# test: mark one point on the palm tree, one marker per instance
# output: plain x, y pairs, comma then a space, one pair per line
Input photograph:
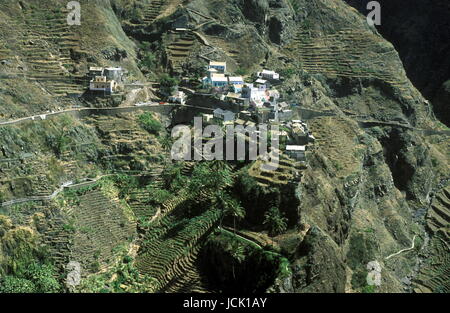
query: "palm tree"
229, 207
166, 142
275, 221
237, 253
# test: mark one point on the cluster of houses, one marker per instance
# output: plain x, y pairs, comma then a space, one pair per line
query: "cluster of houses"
235, 89
260, 103
105, 80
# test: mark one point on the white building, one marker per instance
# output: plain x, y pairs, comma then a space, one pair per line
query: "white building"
224, 115
221, 67
266, 74
95, 71
296, 152
257, 95
101, 83
178, 97
235, 80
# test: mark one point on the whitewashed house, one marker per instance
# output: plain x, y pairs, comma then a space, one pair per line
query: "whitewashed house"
221, 67
215, 81
296, 152
257, 95
95, 71
114, 73
235, 80
102, 84
178, 97
266, 74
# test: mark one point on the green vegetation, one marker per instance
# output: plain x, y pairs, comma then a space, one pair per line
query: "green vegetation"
275, 221
147, 62
168, 84
369, 289
36, 277
362, 250
287, 72
149, 123
241, 71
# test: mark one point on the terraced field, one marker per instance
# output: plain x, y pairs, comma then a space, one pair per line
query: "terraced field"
46, 47
153, 10
287, 171
434, 275
439, 215
101, 227
169, 252
180, 49
335, 138
130, 148
58, 239
347, 53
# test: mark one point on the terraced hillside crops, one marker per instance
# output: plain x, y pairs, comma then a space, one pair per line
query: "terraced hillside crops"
334, 137
130, 148
439, 215
153, 10
170, 249
47, 45
101, 227
434, 275
287, 171
347, 53
180, 49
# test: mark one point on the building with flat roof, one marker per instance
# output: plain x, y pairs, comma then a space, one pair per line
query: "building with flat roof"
224, 115
266, 74
296, 152
221, 67
235, 80
102, 84
114, 73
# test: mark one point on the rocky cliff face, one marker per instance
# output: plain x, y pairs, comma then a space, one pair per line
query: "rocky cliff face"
373, 170
420, 32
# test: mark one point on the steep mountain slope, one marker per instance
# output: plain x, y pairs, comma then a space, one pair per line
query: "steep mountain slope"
374, 184
420, 32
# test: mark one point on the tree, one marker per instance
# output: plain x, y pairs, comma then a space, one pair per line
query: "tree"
237, 253
166, 142
229, 206
275, 221
43, 276
11, 284
167, 84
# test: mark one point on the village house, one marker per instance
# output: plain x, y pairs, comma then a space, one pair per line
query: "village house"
114, 73
271, 75
207, 117
235, 80
101, 83
220, 67
95, 71
257, 95
224, 115
214, 80
178, 97
296, 152
237, 88
262, 82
